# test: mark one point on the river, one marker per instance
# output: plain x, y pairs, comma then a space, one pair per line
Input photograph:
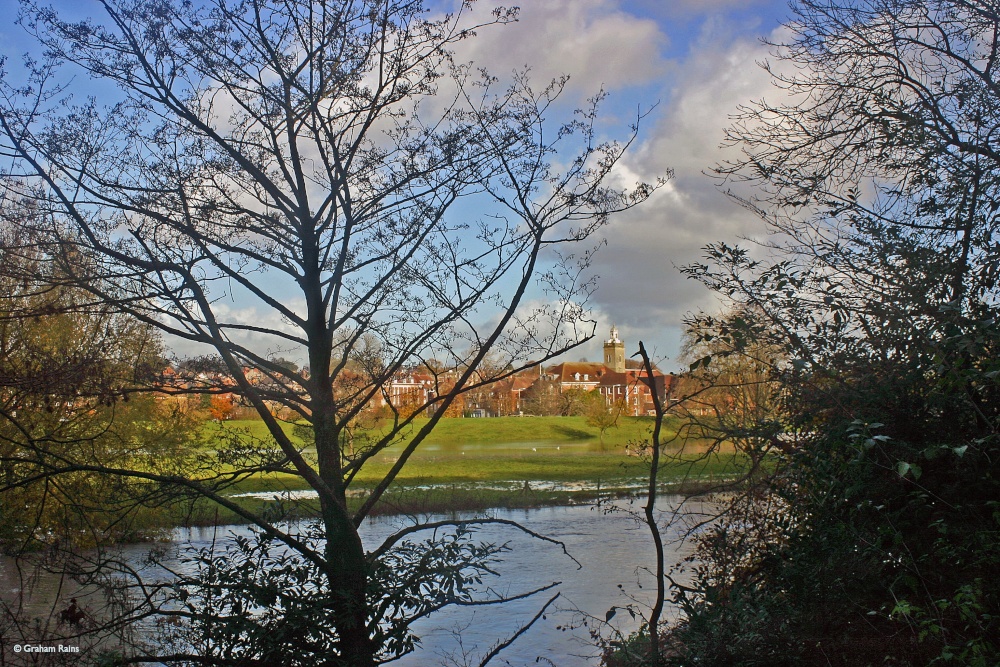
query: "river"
612, 549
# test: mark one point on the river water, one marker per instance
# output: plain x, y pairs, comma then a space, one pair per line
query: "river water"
611, 546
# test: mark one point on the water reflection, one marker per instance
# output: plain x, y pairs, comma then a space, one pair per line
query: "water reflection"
612, 549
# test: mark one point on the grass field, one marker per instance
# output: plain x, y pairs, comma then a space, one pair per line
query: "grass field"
455, 433
475, 464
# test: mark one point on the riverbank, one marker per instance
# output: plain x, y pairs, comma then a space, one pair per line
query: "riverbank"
403, 499
466, 465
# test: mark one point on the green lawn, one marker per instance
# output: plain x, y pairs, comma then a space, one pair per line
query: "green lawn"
460, 464
526, 430
561, 449
511, 431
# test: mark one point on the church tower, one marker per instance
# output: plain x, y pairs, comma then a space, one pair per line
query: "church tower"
614, 352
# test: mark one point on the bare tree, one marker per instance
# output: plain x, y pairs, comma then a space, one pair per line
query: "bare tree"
649, 511
855, 171
333, 168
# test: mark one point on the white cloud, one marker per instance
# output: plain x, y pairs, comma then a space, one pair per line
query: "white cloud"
245, 311
599, 44
593, 41
640, 285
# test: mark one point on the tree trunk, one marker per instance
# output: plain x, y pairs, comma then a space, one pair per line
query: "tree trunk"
348, 575
347, 569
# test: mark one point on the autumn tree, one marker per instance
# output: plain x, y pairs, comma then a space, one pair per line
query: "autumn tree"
221, 407
601, 414
71, 375
339, 172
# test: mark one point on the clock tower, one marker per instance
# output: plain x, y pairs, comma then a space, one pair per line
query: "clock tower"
614, 352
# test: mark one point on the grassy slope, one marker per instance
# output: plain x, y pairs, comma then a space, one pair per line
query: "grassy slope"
514, 449
505, 430
534, 429
462, 454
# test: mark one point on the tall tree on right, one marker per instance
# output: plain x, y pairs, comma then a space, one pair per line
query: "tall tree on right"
879, 177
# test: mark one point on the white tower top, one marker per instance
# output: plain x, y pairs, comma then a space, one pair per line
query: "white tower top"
614, 352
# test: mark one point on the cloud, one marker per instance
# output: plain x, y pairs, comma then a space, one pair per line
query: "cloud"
598, 43
640, 286
709, 73
245, 311
593, 41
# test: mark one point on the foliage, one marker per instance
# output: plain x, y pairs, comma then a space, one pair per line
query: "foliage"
870, 540
72, 382
75, 402
599, 414
256, 602
221, 407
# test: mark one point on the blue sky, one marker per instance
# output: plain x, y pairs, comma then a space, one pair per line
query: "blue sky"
694, 59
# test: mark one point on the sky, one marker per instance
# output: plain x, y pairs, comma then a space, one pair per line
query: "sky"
693, 62
696, 61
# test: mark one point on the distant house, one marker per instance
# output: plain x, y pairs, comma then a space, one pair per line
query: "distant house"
520, 383
585, 375
632, 389
536, 389
618, 380
411, 388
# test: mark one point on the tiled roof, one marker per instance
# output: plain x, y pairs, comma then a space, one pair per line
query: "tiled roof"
522, 382
566, 371
629, 375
